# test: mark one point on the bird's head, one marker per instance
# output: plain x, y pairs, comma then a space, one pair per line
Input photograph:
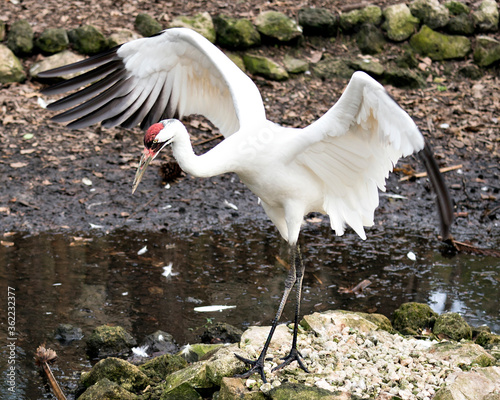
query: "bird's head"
157, 137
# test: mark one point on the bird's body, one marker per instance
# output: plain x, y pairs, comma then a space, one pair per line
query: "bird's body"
335, 166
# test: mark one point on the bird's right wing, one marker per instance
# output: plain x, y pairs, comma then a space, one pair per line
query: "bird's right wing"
353, 147
173, 74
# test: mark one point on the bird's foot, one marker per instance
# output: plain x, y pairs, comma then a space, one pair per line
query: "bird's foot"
294, 355
257, 366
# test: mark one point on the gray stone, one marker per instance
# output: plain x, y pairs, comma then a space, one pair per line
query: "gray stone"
370, 39
11, 69
52, 40
352, 20
452, 326
233, 388
486, 17
201, 23
371, 67
88, 40
159, 367
57, 60
265, 67
430, 12
462, 24
330, 68
326, 323
295, 65
195, 352
108, 340
478, 384
160, 342
411, 318
67, 333
122, 36
2, 31
236, 33
146, 25
107, 390
457, 7
487, 51
466, 355
300, 391
404, 78
20, 38
399, 23
277, 26
318, 22
438, 46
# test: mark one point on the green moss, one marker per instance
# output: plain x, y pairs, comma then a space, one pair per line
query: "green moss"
453, 326
438, 46
412, 318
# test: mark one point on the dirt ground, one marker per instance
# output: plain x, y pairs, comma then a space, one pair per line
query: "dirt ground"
54, 179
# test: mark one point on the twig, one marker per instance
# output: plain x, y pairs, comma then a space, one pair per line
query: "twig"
42, 357
208, 140
424, 174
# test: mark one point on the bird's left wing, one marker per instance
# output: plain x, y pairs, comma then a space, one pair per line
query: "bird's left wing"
353, 147
173, 74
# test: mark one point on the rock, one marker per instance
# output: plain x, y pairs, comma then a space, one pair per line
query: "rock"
53, 40
399, 23
11, 69
438, 46
221, 333
407, 60
411, 318
2, 31
20, 38
67, 333
107, 390
462, 24
237, 59
195, 352
160, 367
352, 20
487, 51
87, 40
254, 338
146, 25
223, 363
181, 392
193, 376
201, 23
452, 326
295, 65
108, 340
236, 33
370, 39
457, 7
378, 319
277, 26
465, 355
265, 67
127, 375
404, 78
327, 323
160, 342
57, 60
318, 22
122, 36
471, 71
485, 339
478, 384
430, 12
233, 388
288, 391
330, 68
371, 67
486, 17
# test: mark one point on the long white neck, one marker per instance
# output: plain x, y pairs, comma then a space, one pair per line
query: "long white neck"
202, 166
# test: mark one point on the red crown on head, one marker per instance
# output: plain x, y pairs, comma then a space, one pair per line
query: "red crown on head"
151, 133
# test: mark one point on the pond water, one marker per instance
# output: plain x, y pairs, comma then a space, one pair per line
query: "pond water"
92, 279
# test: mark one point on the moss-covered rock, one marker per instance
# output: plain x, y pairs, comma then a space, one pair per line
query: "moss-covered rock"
485, 339
457, 7
52, 40
412, 318
195, 352
2, 31
122, 36
438, 46
452, 326
486, 16
11, 69
181, 392
370, 39
318, 22
487, 51
294, 65
146, 25
288, 391
403, 78
88, 40
464, 355
352, 20
265, 67
277, 26
378, 319
201, 23
399, 23
108, 340
462, 24
20, 38
160, 367
236, 33
107, 390
430, 12
330, 68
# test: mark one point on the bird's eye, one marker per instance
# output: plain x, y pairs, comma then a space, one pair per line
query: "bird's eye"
155, 141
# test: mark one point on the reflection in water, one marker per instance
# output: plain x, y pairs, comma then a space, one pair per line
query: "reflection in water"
90, 280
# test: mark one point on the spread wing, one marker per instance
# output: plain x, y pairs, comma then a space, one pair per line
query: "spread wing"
173, 74
354, 146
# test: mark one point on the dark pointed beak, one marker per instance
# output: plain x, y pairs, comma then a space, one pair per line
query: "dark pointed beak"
146, 158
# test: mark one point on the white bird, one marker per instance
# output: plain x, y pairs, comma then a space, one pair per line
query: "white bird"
335, 166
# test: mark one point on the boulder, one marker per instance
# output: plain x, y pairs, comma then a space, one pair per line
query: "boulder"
236, 33
294, 65
411, 318
233, 388
146, 25
277, 26
430, 12
452, 326
87, 40
399, 23
108, 340
486, 16
289, 390
438, 46
352, 20
329, 322
52, 40
330, 68
318, 22
375, 69
237, 59
265, 67
11, 69
478, 384
54, 61
487, 51
370, 39
122, 36
20, 38
67, 333
195, 352
160, 342
107, 390
159, 367
466, 355
404, 78
462, 24
201, 23
2, 31
457, 7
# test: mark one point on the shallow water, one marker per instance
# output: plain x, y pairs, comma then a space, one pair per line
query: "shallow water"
89, 280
